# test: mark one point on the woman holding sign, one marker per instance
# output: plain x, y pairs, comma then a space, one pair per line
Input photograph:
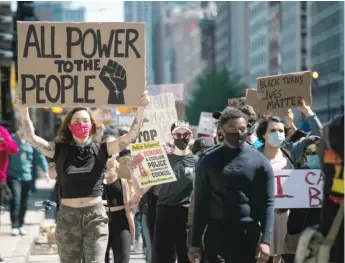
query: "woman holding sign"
82, 222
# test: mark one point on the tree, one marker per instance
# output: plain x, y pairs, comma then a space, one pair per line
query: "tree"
212, 93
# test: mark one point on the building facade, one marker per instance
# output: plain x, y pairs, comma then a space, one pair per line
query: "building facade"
326, 56
258, 41
232, 37
58, 11
143, 12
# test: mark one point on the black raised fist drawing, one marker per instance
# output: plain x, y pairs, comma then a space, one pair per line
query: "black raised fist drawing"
114, 78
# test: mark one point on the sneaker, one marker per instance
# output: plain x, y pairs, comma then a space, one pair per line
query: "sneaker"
15, 232
22, 231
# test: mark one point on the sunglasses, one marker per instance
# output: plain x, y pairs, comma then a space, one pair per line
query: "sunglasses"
181, 135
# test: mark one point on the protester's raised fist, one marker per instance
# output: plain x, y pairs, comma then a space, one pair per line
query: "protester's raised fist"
114, 78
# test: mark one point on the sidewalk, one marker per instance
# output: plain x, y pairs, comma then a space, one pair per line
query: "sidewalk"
17, 249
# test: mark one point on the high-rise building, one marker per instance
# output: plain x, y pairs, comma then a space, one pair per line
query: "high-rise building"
143, 12
294, 36
59, 11
326, 56
6, 56
231, 37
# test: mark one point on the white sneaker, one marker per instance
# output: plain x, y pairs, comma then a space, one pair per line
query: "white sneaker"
22, 231
15, 232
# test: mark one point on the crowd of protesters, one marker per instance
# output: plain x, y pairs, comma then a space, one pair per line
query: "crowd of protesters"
220, 208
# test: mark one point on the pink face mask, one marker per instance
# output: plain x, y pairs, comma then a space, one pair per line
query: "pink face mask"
80, 130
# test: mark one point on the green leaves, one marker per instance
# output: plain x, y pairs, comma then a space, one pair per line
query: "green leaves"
212, 93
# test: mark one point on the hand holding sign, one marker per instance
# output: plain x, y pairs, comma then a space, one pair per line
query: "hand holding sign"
114, 78
305, 108
145, 99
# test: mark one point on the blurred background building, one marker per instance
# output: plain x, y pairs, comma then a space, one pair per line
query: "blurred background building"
58, 11
325, 21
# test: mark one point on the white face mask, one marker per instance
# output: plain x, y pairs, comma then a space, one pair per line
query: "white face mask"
276, 138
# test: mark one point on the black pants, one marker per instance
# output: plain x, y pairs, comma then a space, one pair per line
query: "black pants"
151, 213
119, 238
19, 203
170, 235
231, 244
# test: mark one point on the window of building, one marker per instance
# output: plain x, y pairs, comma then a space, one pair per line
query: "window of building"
326, 24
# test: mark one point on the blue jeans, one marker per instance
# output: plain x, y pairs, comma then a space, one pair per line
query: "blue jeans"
137, 223
146, 234
19, 203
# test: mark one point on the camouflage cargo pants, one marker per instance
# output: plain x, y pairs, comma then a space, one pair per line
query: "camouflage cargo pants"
82, 233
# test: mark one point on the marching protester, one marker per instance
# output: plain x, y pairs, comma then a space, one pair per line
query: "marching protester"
301, 218
332, 164
252, 120
271, 131
122, 193
170, 229
7, 147
234, 197
282, 155
20, 171
82, 222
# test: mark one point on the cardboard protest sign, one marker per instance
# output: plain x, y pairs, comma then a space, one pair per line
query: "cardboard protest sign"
252, 100
148, 133
236, 102
298, 188
207, 124
161, 114
152, 166
277, 94
74, 64
123, 120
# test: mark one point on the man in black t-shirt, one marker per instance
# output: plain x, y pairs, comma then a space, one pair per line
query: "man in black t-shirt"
170, 232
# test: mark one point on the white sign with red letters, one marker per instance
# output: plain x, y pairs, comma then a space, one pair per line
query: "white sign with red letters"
298, 188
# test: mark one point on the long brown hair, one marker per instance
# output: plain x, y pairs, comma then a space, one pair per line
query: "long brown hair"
65, 133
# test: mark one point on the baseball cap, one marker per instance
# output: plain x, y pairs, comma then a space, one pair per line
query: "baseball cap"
202, 143
216, 115
180, 125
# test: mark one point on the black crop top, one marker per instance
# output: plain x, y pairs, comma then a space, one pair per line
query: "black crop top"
114, 193
80, 168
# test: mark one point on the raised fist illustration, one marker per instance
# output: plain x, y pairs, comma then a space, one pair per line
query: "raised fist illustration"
114, 78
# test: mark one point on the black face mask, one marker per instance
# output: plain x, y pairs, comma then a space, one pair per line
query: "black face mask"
181, 143
236, 140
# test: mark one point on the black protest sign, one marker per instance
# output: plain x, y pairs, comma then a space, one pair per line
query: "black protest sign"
89, 64
277, 94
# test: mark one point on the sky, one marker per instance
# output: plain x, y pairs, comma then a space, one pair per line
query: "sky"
98, 11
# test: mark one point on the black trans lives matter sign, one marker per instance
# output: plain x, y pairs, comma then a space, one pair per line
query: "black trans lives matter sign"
90, 64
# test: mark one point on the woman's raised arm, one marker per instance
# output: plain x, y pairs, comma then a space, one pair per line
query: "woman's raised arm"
47, 148
122, 142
